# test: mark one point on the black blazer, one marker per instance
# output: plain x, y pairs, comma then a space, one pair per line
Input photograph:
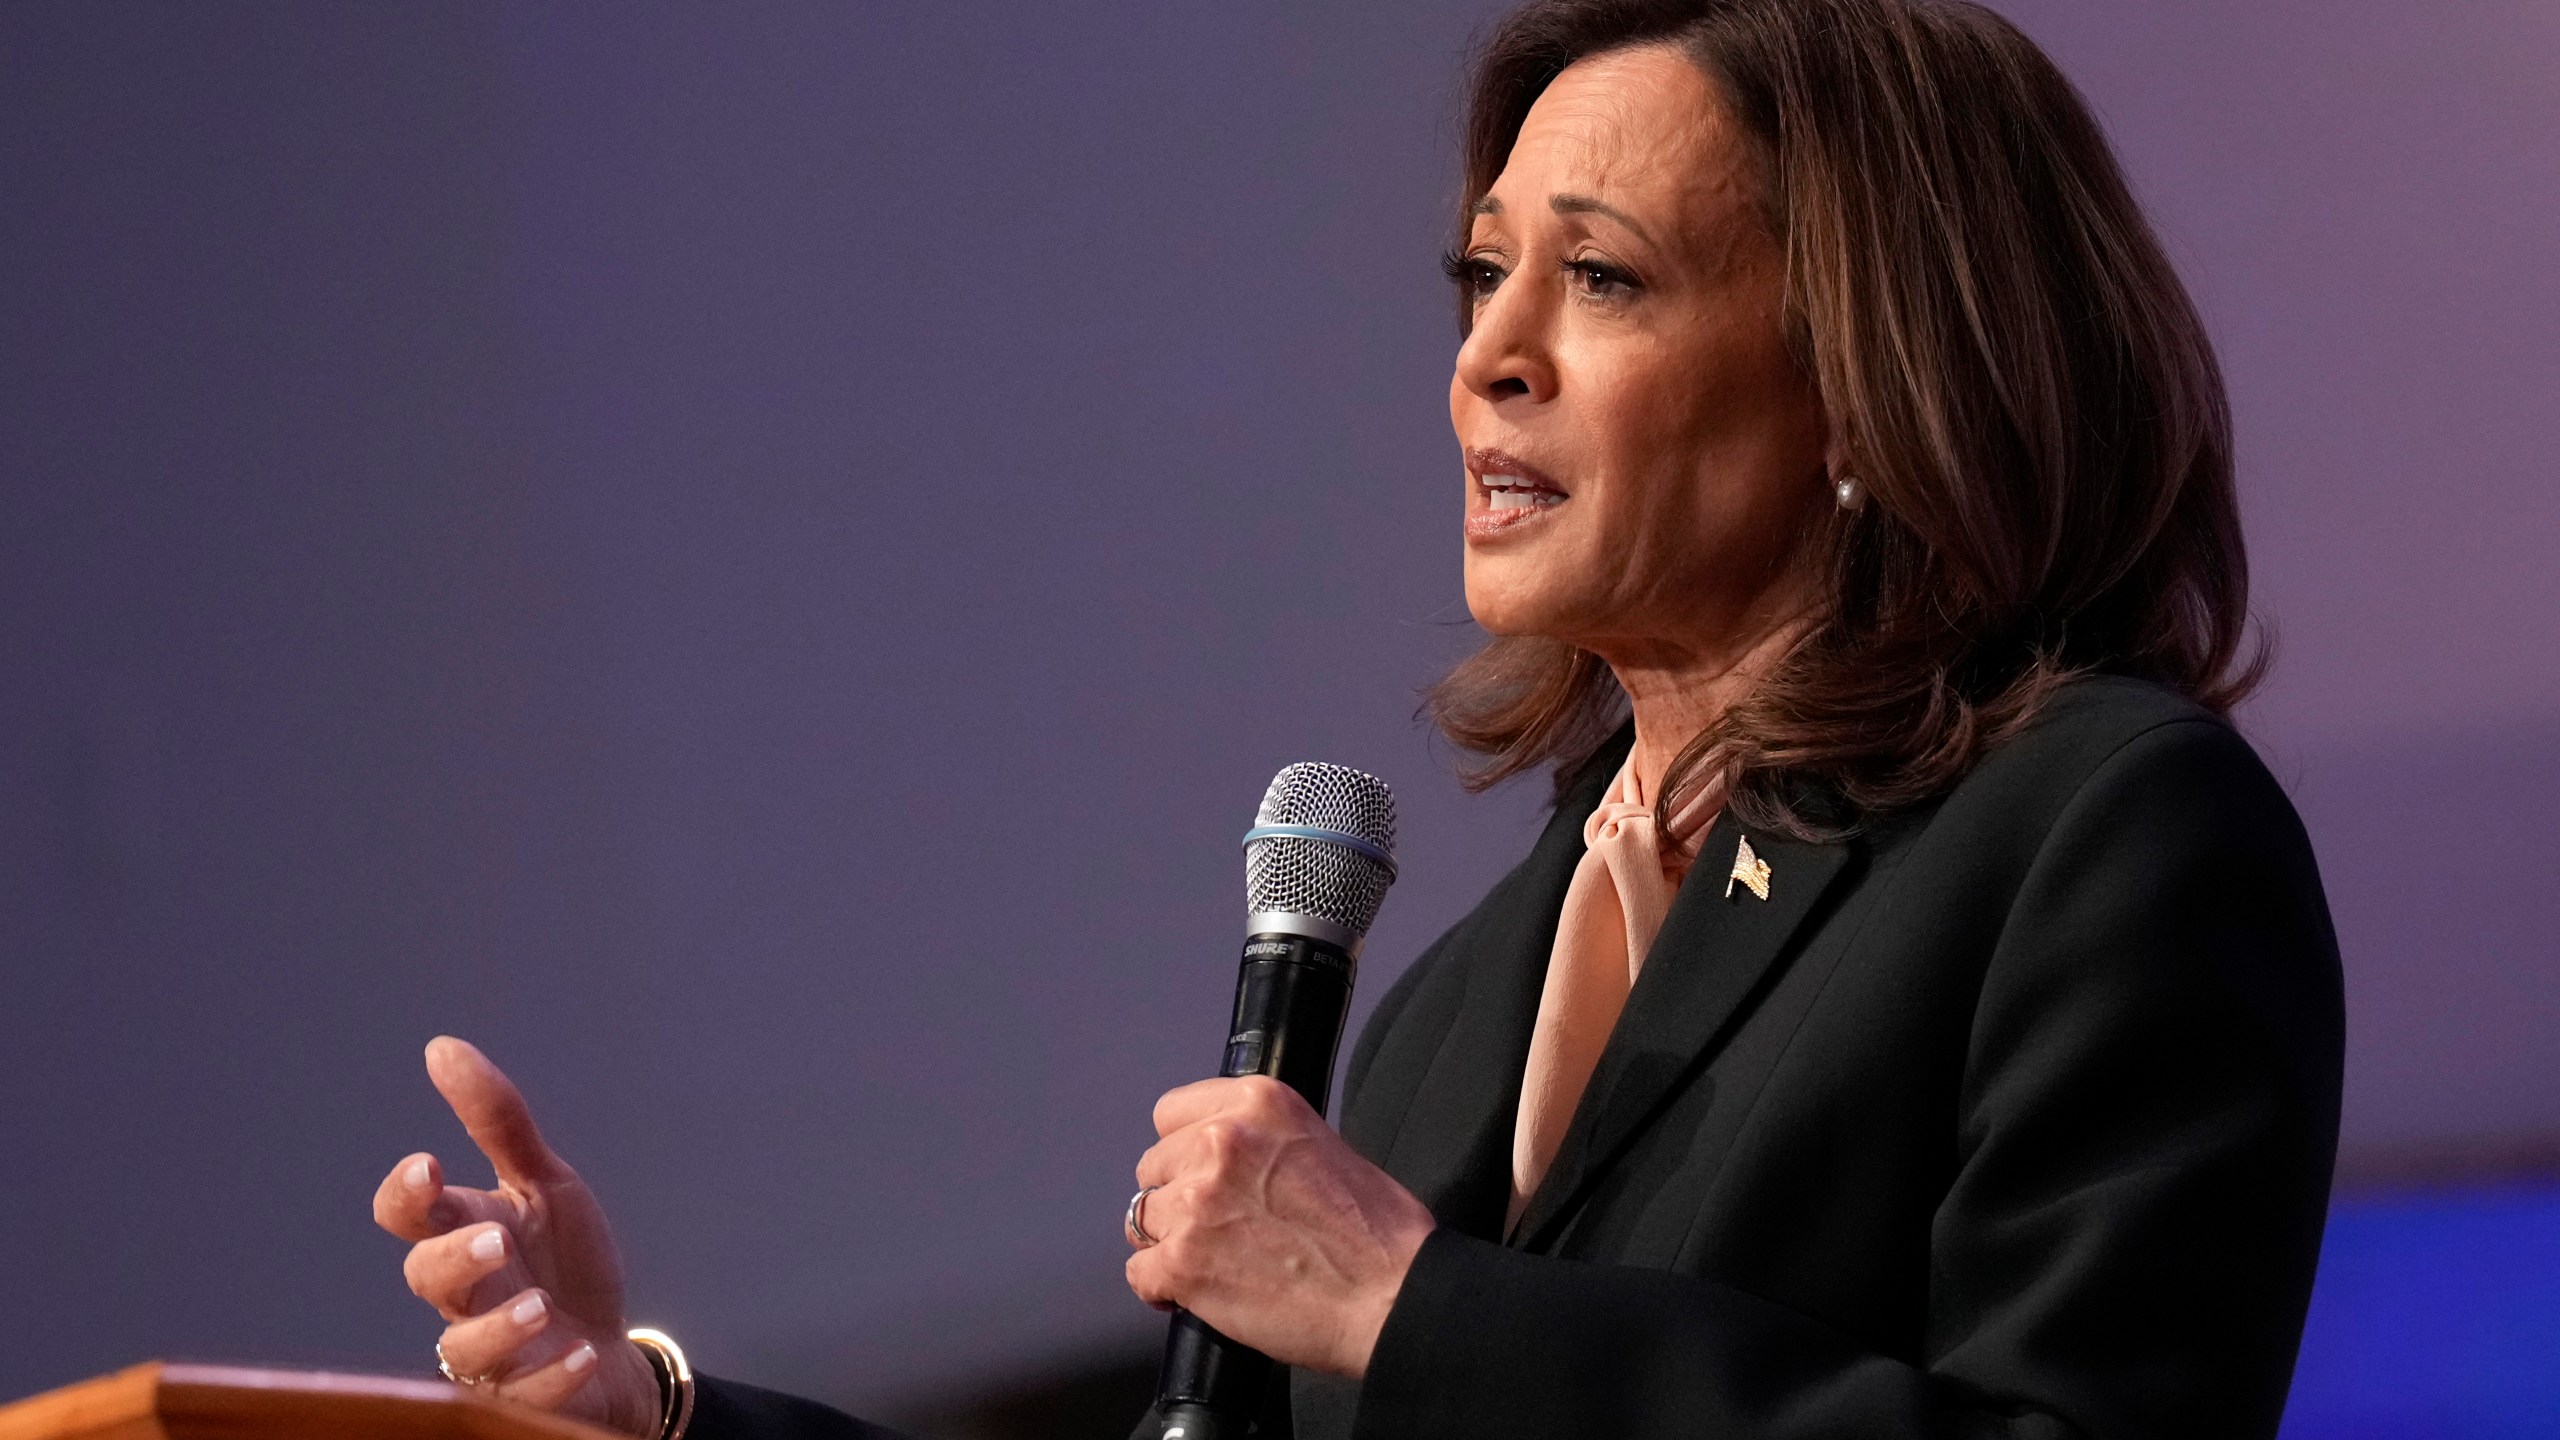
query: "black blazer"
2011, 1116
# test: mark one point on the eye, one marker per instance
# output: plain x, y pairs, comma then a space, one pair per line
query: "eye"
1600, 279
1475, 275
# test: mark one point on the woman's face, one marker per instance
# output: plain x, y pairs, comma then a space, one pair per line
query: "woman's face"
1643, 456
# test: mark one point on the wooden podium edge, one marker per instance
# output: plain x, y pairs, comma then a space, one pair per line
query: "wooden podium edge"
161, 1400
109, 1405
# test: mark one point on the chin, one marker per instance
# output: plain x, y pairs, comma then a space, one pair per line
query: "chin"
1506, 610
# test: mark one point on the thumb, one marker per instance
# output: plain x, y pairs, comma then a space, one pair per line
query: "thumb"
493, 1110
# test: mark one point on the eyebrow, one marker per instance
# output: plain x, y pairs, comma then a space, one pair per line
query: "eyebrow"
1570, 205
1585, 205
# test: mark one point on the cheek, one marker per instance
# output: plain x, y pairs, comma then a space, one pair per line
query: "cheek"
1719, 464
1717, 426
1656, 443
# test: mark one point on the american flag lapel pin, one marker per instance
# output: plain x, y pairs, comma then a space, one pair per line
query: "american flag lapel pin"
1749, 871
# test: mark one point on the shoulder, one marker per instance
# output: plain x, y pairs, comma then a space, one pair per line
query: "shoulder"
2090, 720
2102, 741
2124, 806
2132, 844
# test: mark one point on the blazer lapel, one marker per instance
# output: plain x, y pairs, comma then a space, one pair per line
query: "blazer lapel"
1713, 953
1453, 1146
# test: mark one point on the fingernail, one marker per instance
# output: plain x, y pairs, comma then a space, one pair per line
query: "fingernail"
528, 1310
579, 1359
489, 1244
415, 1177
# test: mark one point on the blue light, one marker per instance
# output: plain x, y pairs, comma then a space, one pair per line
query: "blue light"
2436, 1317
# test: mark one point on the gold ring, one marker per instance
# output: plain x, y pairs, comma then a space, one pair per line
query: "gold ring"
467, 1382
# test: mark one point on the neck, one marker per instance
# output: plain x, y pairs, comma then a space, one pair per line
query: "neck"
1676, 692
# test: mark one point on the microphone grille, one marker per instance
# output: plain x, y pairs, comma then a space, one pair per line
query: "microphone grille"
1344, 880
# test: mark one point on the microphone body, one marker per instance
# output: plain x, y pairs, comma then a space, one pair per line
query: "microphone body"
1319, 860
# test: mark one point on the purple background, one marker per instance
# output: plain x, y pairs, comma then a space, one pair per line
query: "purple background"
755, 559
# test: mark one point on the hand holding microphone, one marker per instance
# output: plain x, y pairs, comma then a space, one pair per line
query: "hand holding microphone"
1269, 1228
1274, 1237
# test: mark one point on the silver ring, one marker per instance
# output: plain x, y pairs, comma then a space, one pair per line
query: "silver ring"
1136, 1220
467, 1382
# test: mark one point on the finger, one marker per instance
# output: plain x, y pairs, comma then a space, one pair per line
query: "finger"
1193, 1103
1263, 1098
405, 1202
1207, 1148
548, 1387
492, 1344
414, 1203
1147, 1281
1166, 1160
493, 1110
452, 1271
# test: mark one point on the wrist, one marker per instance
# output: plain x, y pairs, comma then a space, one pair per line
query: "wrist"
1370, 1315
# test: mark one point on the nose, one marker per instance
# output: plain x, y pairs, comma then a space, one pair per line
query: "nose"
1507, 356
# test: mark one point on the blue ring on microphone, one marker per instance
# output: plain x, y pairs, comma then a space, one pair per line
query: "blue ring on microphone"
1343, 838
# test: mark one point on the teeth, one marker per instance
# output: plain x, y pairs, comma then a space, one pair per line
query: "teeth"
1510, 500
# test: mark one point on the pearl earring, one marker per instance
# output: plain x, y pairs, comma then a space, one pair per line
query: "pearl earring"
1847, 491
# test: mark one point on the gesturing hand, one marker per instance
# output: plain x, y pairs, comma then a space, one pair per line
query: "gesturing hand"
1270, 1228
526, 1274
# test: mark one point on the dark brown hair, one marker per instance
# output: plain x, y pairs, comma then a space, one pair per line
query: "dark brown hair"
2020, 381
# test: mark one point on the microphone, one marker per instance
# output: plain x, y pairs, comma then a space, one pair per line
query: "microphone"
1317, 864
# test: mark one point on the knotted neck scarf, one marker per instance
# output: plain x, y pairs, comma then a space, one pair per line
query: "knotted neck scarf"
1620, 892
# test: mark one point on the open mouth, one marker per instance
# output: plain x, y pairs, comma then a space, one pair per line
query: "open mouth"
1506, 492
1512, 491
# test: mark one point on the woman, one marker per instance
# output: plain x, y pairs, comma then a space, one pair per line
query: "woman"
1920, 1016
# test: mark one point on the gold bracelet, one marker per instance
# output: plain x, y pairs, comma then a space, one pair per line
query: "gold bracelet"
675, 1381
